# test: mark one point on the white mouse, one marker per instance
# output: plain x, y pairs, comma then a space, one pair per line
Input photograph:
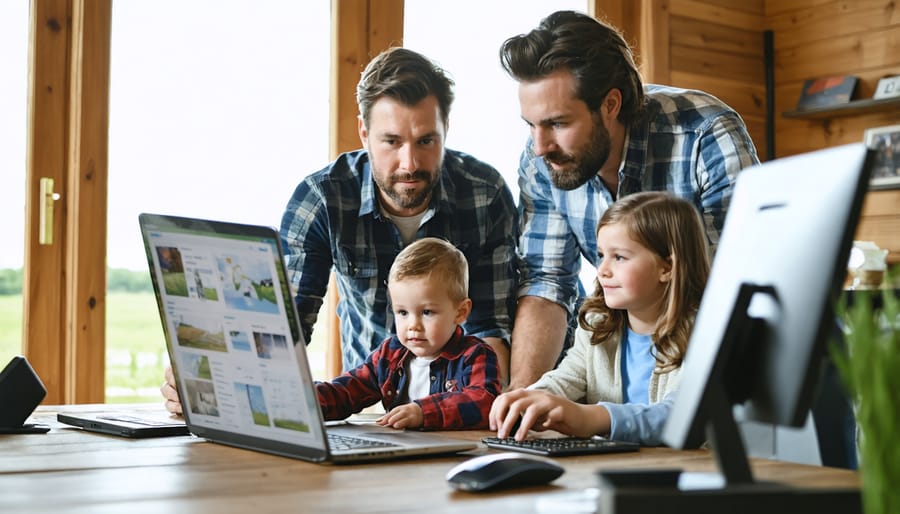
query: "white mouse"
503, 470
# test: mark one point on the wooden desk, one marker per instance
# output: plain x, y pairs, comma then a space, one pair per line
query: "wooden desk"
70, 471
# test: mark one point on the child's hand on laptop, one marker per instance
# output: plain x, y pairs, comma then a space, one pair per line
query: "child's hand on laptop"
405, 416
170, 393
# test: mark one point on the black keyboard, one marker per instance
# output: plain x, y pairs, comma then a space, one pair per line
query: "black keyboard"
561, 447
343, 442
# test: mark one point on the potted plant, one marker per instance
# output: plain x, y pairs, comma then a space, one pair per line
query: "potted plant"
869, 365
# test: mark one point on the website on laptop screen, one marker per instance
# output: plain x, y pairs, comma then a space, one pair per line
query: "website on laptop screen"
224, 303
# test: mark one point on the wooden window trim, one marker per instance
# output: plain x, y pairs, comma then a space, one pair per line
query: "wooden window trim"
360, 30
64, 283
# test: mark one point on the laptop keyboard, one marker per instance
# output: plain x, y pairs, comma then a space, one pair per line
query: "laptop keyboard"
561, 447
343, 442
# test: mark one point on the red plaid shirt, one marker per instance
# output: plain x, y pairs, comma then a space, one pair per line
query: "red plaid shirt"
465, 379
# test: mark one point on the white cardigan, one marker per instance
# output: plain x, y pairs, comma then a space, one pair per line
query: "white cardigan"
593, 373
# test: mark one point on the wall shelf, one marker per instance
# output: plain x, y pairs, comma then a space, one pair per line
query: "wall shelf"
852, 108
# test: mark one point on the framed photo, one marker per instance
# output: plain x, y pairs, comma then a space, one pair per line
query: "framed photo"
826, 92
886, 142
888, 87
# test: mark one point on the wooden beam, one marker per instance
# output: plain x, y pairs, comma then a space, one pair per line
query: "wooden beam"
64, 280
86, 218
655, 45
645, 26
44, 300
361, 29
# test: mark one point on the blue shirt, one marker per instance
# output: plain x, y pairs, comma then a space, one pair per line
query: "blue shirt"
636, 419
688, 143
333, 221
637, 366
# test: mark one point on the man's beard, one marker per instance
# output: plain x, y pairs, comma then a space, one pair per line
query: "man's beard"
578, 168
406, 199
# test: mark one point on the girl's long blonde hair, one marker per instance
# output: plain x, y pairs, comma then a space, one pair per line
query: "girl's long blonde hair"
671, 228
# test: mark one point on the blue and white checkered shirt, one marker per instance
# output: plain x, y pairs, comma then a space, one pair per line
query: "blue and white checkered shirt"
333, 221
688, 143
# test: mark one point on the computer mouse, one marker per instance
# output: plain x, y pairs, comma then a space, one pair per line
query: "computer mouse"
503, 470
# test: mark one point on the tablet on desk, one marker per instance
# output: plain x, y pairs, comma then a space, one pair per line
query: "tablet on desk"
126, 424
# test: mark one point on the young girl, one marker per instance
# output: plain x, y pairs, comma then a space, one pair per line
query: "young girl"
618, 378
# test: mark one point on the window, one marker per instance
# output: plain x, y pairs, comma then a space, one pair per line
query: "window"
13, 101
217, 110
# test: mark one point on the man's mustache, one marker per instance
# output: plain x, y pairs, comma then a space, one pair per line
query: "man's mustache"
558, 158
416, 175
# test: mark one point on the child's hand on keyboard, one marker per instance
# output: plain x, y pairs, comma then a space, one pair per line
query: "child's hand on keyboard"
540, 410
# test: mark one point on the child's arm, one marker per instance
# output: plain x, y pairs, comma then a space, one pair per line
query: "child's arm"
639, 422
351, 392
469, 390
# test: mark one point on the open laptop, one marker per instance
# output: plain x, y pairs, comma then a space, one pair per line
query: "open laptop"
238, 352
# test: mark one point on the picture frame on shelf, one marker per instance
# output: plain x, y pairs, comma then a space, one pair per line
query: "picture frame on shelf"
886, 143
826, 92
888, 87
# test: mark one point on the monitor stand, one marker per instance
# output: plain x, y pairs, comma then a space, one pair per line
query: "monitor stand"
654, 491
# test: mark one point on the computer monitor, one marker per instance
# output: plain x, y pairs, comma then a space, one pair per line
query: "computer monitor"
767, 312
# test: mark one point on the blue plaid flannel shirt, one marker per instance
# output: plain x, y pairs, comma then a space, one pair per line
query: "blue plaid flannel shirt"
688, 143
333, 221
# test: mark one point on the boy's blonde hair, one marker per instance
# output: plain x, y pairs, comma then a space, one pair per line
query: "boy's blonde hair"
436, 258
671, 228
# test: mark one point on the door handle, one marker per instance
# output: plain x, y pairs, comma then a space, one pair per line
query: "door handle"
48, 197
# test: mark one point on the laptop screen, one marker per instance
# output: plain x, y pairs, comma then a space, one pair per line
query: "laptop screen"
231, 332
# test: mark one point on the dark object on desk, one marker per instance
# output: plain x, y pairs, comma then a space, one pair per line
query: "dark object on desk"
667, 477
21, 391
561, 447
502, 471
136, 426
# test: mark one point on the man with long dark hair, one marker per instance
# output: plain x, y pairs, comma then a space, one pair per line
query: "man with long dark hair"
598, 133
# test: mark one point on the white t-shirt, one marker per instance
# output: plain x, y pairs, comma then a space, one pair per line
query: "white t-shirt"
419, 378
407, 225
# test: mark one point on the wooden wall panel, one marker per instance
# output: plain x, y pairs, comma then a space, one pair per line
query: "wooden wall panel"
776, 7
747, 98
689, 32
754, 7
809, 22
729, 13
738, 68
717, 46
842, 55
820, 38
